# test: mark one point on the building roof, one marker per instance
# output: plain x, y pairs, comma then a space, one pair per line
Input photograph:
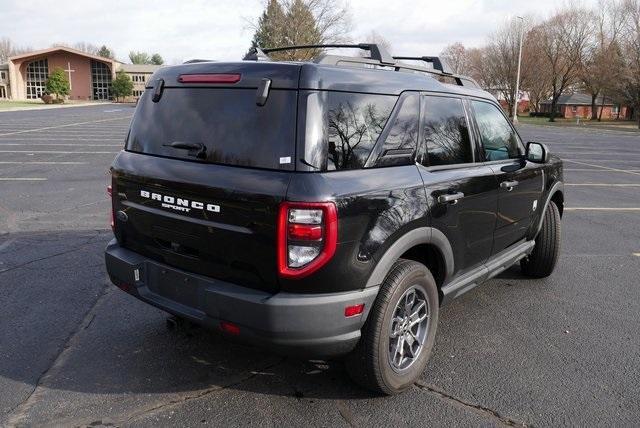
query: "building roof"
61, 48
139, 68
580, 99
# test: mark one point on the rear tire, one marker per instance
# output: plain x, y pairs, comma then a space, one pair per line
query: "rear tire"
388, 359
542, 260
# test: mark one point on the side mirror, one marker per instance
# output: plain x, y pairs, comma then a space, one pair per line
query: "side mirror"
537, 152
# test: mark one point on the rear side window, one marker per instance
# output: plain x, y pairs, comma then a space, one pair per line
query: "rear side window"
355, 122
227, 122
499, 140
445, 132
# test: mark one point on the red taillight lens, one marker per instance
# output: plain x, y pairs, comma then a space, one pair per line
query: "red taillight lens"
229, 327
210, 78
307, 237
110, 193
352, 311
305, 232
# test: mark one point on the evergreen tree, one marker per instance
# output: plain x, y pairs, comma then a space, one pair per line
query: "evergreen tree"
58, 83
301, 29
156, 59
139, 57
105, 52
270, 30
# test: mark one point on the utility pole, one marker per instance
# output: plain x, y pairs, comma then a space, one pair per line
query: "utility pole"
515, 96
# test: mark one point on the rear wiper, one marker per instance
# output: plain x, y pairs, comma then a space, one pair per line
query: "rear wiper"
198, 150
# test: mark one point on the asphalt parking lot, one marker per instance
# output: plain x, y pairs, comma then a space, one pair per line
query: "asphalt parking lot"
76, 351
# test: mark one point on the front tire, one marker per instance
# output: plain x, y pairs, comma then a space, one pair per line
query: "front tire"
399, 334
542, 260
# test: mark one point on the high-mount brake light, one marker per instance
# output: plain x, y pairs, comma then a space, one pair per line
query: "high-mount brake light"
307, 237
220, 78
110, 193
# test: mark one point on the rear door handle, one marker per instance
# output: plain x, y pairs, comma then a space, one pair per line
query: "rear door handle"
450, 198
509, 185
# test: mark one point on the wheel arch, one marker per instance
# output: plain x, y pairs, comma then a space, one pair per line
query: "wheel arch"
425, 245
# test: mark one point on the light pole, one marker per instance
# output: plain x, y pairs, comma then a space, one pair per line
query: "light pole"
515, 96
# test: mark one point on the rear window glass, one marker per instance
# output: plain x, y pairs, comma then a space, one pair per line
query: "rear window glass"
234, 130
342, 128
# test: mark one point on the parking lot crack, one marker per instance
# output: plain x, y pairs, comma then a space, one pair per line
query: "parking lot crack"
19, 413
200, 394
89, 241
476, 408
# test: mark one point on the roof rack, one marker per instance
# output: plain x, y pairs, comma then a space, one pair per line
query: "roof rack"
379, 57
377, 52
438, 64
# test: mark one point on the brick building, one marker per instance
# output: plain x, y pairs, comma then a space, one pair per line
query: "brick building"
24, 76
578, 105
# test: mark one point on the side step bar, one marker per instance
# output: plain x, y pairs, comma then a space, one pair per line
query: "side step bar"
491, 268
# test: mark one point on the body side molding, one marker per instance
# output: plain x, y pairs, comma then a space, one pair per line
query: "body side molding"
421, 235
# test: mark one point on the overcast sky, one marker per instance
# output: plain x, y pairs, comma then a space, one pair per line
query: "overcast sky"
220, 29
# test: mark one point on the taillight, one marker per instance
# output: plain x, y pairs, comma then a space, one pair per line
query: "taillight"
110, 193
307, 237
220, 78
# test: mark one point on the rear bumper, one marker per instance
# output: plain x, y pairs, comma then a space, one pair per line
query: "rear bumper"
302, 324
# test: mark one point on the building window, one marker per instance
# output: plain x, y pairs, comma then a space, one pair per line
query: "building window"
100, 80
3, 75
615, 109
37, 74
574, 109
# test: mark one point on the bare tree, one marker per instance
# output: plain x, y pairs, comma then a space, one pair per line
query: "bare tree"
456, 57
302, 22
86, 47
630, 80
536, 77
602, 63
564, 39
7, 49
375, 37
501, 62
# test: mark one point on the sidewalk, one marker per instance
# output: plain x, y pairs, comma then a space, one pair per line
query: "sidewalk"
4, 105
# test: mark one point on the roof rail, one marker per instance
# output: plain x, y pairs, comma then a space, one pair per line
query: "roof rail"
438, 64
376, 51
379, 57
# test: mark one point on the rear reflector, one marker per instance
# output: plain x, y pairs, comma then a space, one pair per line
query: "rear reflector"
229, 327
352, 311
209, 78
110, 193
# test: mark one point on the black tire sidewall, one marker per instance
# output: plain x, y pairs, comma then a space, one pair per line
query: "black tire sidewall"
420, 276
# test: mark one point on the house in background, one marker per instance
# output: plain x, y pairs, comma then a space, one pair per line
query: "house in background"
24, 77
578, 105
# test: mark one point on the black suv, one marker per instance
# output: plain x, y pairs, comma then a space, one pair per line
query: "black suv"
326, 208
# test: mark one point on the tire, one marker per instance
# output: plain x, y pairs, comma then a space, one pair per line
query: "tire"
370, 364
542, 260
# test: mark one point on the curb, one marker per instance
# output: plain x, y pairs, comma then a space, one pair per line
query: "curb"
54, 106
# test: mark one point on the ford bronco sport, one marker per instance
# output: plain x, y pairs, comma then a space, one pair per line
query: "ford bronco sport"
326, 208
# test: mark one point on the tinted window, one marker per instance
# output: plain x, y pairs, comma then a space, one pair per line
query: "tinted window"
445, 133
226, 121
404, 132
355, 122
499, 140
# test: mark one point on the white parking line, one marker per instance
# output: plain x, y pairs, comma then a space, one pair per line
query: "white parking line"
49, 152
43, 163
604, 184
602, 209
603, 167
595, 170
62, 139
65, 126
21, 179
636, 254
78, 144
